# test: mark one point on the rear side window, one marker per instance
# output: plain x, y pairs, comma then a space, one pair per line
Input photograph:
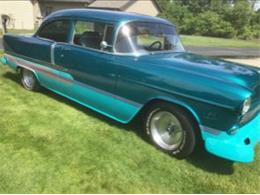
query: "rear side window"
56, 31
91, 34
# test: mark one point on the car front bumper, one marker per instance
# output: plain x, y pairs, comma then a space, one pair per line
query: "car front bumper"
238, 147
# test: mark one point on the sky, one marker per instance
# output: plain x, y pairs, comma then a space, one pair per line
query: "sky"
257, 6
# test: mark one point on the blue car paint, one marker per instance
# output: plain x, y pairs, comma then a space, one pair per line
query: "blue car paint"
211, 90
238, 147
93, 98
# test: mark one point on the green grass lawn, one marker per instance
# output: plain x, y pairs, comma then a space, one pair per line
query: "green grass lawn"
49, 144
218, 42
16, 31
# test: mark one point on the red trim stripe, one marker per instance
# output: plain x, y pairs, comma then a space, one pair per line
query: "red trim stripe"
39, 69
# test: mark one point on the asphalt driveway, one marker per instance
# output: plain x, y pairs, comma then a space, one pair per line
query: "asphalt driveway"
225, 52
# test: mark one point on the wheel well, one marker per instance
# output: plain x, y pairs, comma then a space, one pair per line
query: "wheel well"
18, 69
186, 110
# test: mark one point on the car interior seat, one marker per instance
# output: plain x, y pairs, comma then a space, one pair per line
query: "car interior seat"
90, 39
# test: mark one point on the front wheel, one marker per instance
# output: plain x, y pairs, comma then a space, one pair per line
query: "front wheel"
28, 80
171, 129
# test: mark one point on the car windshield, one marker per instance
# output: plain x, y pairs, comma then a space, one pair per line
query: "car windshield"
147, 37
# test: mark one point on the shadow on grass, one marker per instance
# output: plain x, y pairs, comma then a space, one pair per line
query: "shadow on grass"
210, 163
200, 158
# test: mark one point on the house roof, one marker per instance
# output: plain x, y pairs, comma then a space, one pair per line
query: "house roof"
121, 5
117, 4
68, 1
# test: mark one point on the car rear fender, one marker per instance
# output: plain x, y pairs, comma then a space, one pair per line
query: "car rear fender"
14, 64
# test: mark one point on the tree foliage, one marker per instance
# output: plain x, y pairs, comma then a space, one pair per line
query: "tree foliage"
219, 18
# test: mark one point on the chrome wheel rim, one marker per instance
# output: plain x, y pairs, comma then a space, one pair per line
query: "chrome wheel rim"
166, 130
28, 79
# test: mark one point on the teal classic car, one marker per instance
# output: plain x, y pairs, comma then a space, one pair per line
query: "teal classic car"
125, 65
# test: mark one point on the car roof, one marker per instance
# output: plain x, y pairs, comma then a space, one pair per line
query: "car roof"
106, 15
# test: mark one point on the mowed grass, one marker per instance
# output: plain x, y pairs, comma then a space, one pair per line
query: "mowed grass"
51, 145
218, 42
23, 31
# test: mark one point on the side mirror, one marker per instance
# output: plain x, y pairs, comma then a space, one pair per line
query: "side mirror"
104, 45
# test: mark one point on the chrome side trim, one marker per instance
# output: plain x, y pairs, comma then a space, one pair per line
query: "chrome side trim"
40, 67
210, 130
52, 53
10, 58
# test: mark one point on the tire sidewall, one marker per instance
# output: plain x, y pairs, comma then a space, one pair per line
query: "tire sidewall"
188, 142
34, 87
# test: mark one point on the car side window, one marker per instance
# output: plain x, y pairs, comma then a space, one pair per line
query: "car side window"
56, 31
109, 34
91, 34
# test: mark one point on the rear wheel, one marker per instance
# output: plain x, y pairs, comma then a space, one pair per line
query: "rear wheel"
28, 80
171, 129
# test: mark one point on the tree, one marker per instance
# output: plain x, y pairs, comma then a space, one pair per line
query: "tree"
240, 16
210, 24
196, 7
222, 18
176, 13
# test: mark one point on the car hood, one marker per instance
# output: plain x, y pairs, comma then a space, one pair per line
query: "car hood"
227, 72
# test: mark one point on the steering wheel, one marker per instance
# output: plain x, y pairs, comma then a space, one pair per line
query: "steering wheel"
155, 43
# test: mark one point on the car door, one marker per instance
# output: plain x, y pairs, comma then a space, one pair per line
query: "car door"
41, 48
92, 68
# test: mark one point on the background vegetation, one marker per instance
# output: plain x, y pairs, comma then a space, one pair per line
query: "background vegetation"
217, 18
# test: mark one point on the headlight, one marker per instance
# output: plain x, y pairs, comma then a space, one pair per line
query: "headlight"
246, 106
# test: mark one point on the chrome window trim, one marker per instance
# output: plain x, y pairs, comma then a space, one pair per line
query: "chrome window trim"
105, 33
115, 35
52, 53
86, 48
44, 39
139, 54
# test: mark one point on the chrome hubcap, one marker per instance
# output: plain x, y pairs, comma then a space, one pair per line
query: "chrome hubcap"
28, 78
166, 130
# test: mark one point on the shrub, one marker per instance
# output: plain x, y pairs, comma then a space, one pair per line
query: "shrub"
209, 24
219, 18
250, 32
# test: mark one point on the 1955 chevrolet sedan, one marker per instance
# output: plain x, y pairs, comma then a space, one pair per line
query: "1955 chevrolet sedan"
122, 64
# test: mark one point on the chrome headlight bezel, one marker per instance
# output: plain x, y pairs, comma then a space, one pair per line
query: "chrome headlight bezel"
246, 106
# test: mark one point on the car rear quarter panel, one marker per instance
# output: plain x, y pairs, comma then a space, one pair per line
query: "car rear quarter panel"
28, 46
